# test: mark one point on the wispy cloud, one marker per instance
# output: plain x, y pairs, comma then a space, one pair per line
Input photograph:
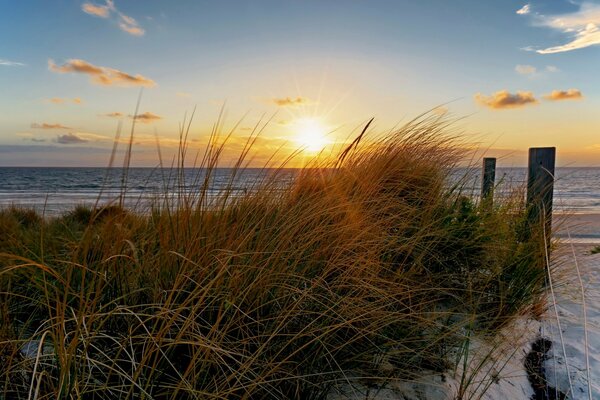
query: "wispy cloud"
101, 75
534, 72
571, 94
525, 69
146, 117
45, 125
96, 10
115, 114
125, 22
60, 100
79, 137
183, 94
526, 9
290, 101
506, 100
582, 26
8, 63
130, 25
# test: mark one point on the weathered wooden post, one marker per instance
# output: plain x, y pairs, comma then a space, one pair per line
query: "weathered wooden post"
540, 187
488, 178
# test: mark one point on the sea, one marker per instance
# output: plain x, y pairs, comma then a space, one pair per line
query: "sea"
53, 191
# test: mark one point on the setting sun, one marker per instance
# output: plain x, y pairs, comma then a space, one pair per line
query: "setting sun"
311, 134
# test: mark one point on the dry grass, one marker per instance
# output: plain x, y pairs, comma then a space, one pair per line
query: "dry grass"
368, 261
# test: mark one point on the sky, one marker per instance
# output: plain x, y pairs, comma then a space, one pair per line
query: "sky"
515, 75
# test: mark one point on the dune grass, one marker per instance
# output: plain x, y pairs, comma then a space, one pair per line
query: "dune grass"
370, 267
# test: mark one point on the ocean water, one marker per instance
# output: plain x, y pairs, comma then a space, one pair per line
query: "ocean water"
56, 190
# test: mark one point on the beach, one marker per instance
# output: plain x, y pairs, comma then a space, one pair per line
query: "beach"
578, 234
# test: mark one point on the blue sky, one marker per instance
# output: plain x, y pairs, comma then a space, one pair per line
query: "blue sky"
340, 62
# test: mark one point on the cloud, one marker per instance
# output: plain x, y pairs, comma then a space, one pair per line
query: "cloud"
125, 22
46, 125
8, 63
59, 100
525, 69
290, 102
183, 94
552, 68
115, 114
97, 11
571, 94
37, 140
70, 138
130, 25
504, 100
582, 26
100, 75
146, 117
526, 9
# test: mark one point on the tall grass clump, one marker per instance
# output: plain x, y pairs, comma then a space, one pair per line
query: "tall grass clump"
369, 267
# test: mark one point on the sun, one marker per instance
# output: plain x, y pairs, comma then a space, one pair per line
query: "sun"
311, 134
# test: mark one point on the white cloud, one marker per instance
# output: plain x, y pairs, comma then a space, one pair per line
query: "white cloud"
8, 63
583, 27
552, 68
525, 69
526, 9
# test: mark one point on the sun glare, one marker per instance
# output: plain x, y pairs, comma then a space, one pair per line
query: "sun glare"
311, 134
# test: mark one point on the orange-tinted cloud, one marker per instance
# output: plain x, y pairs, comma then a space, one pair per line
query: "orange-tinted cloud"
525, 69
125, 22
101, 75
130, 25
571, 94
290, 102
46, 125
147, 117
58, 100
504, 100
115, 114
97, 11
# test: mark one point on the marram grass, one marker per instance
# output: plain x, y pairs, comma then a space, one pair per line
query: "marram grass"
368, 268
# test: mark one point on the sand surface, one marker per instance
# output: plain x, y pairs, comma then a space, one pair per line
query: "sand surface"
572, 356
577, 228
570, 360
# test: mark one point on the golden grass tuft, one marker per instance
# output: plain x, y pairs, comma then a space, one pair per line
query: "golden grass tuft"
369, 267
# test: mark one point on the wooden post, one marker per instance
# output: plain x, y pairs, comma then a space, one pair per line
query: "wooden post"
488, 178
540, 187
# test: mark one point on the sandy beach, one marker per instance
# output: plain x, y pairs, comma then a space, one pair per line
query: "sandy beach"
572, 356
577, 228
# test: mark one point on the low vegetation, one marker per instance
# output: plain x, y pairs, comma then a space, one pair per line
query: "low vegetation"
372, 267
